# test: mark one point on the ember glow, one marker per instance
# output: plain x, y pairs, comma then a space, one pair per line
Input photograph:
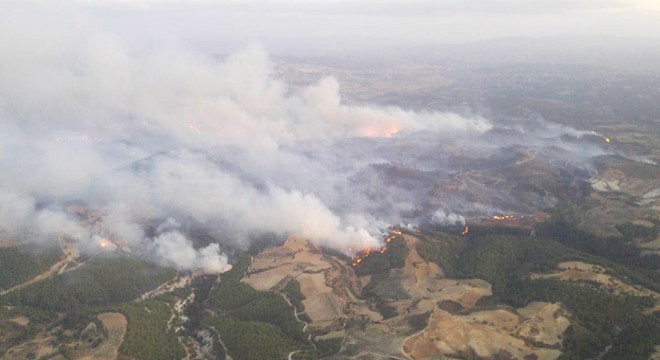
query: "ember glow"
504, 217
380, 130
105, 244
607, 140
465, 231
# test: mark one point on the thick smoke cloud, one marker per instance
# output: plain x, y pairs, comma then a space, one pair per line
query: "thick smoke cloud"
151, 139
157, 144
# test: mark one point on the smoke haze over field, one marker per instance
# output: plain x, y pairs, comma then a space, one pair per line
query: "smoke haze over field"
164, 139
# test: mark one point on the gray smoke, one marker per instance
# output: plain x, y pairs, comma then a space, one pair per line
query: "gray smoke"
154, 143
169, 137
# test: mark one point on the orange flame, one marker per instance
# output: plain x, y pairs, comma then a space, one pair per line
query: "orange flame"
465, 231
379, 130
360, 256
504, 217
105, 244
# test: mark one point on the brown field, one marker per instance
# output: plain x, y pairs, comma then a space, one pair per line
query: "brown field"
491, 334
544, 323
115, 324
322, 307
20, 320
656, 354
6, 243
326, 283
275, 265
43, 345
426, 284
650, 247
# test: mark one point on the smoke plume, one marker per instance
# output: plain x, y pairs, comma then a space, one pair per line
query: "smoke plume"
146, 139
443, 218
155, 143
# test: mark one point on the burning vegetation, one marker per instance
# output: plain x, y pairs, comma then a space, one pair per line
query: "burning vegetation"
361, 255
374, 260
504, 217
365, 253
465, 231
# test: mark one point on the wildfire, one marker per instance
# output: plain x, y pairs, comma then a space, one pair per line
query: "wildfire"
607, 140
379, 130
360, 256
465, 231
504, 217
105, 244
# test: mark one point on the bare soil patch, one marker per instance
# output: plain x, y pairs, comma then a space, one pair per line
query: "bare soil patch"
486, 334
115, 324
20, 320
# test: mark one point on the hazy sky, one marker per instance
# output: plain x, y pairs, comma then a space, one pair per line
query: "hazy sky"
225, 25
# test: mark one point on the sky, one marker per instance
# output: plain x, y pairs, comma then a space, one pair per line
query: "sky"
290, 25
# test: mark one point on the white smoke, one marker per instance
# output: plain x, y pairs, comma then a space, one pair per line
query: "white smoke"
19, 214
171, 137
447, 218
172, 248
168, 134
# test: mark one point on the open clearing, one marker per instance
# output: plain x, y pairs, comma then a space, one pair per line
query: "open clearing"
115, 324
6, 243
20, 320
322, 280
492, 333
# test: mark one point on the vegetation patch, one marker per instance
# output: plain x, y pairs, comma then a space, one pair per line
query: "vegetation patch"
101, 281
600, 318
21, 263
147, 335
295, 296
251, 339
254, 324
377, 262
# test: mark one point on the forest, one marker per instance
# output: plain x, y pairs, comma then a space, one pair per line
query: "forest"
102, 280
265, 320
147, 336
21, 263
